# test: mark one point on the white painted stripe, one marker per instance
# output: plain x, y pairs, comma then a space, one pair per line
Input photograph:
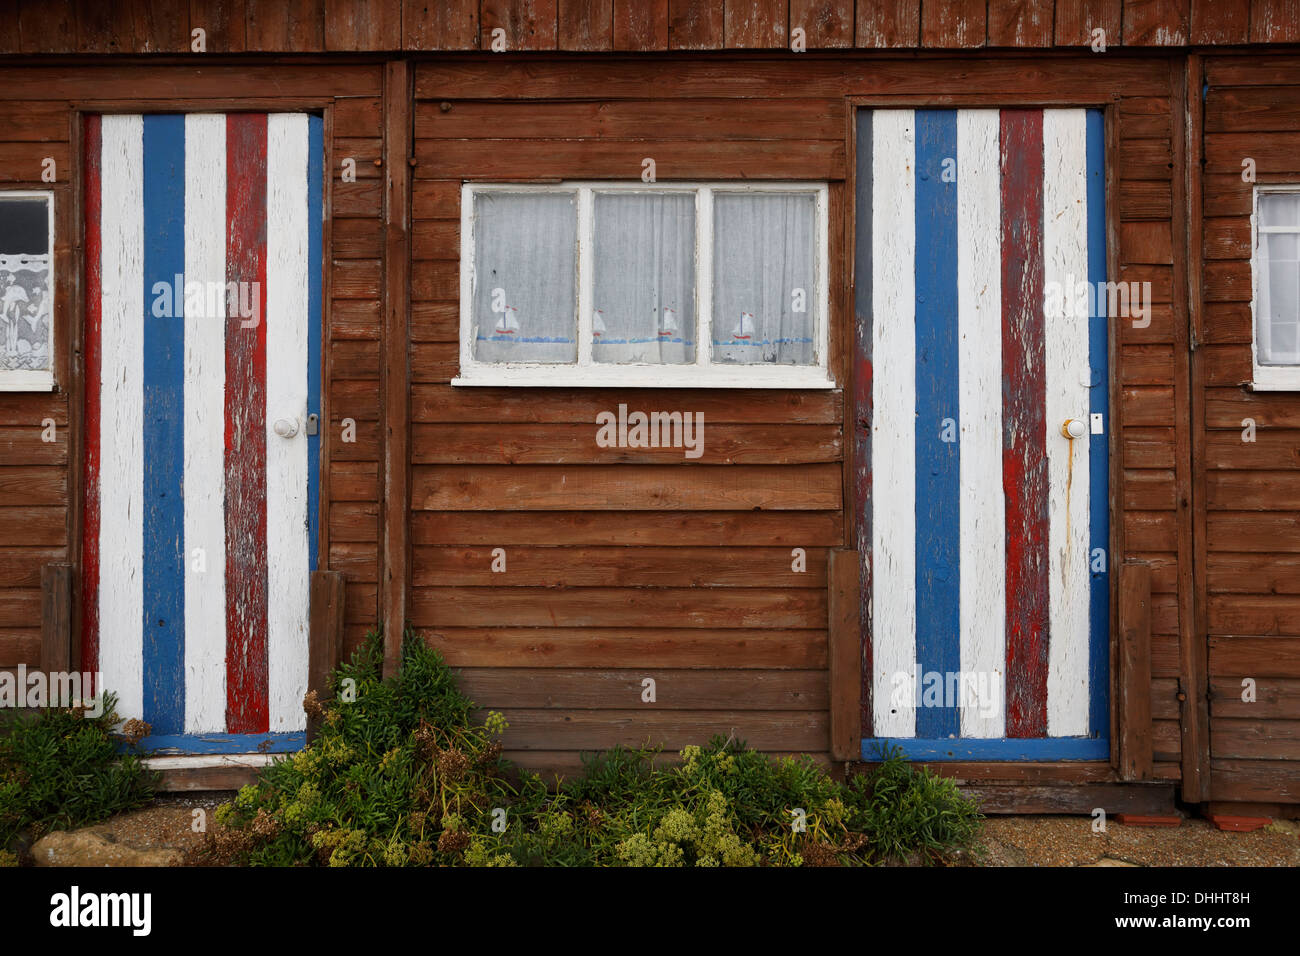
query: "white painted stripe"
205, 388
893, 423
1065, 254
286, 398
983, 505
121, 476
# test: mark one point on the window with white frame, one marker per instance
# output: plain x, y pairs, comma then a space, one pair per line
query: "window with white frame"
1276, 302
26, 290
637, 284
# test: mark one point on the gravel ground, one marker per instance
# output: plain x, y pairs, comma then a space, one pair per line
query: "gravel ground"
166, 824
1009, 841
1069, 841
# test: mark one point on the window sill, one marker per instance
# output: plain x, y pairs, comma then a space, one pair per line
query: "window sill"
26, 381
1276, 378
643, 376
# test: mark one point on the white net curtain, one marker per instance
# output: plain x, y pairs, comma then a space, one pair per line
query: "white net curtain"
764, 277
644, 278
1278, 316
643, 247
525, 280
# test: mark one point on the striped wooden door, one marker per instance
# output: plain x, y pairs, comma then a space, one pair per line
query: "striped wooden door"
202, 346
984, 527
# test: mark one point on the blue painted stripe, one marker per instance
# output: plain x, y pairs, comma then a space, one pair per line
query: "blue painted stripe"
938, 472
315, 186
219, 743
1098, 445
163, 449
990, 749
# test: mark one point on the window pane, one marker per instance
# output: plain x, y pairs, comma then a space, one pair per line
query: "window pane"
1278, 312
24, 284
764, 278
525, 277
1279, 209
644, 278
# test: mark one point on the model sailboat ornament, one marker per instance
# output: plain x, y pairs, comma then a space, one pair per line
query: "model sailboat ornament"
597, 323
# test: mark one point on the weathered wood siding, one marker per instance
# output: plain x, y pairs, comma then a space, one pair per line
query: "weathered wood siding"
164, 26
625, 564
40, 509
1251, 530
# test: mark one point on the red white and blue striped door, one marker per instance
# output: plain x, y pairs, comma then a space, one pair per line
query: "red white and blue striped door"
984, 525
203, 286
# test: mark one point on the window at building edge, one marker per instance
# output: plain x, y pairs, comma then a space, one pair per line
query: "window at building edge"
27, 287
708, 368
1268, 373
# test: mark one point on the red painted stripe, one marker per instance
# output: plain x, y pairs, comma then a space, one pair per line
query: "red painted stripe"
93, 350
1024, 396
246, 584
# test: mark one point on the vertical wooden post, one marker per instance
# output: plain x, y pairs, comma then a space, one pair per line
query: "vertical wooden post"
1135, 761
1193, 638
325, 633
396, 371
844, 637
56, 618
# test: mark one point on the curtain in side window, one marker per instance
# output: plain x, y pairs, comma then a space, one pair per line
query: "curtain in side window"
1278, 316
525, 277
764, 278
644, 288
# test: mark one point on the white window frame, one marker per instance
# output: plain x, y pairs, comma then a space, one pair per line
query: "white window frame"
23, 380
1266, 377
703, 372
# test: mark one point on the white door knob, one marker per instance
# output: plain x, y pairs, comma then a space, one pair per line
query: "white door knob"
1073, 428
286, 427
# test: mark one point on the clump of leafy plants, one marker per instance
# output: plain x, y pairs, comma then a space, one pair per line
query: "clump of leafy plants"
403, 773
60, 768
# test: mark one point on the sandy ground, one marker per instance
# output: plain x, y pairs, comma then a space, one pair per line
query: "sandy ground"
1008, 841
1070, 841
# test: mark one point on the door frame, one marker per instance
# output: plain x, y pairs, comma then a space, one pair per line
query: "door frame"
857, 530
78, 110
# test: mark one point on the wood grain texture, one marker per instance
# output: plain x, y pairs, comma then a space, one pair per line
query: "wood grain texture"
1274, 21
1216, 21
754, 24
56, 618
844, 650
280, 25
395, 382
814, 487
524, 24
953, 23
440, 24
1077, 22
889, 23
640, 25
695, 25
1156, 22
1135, 671
585, 25
1020, 23
825, 23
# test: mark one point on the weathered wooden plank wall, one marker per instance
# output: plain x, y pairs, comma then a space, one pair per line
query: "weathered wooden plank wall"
624, 564
1251, 519
237, 26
